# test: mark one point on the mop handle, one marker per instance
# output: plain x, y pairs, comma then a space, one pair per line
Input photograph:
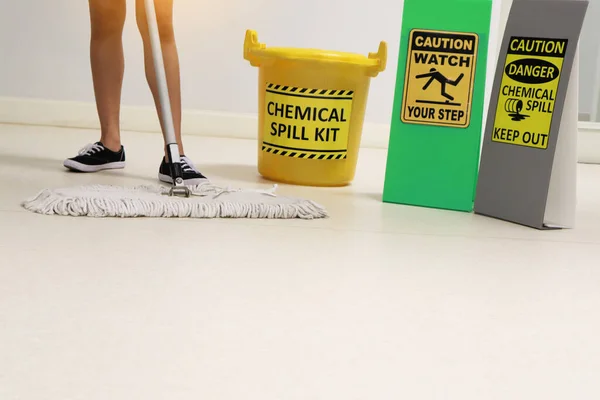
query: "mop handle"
161, 81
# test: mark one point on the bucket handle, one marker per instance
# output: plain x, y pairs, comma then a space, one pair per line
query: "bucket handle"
381, 58
251, 44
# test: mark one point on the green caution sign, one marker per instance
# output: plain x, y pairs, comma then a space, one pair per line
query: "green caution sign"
436, 124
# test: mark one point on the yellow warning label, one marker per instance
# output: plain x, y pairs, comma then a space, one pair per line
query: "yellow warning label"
440, 72
528, 91
307, 123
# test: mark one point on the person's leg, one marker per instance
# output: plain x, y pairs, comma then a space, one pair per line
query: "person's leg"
108, 65
107, 18
164, 15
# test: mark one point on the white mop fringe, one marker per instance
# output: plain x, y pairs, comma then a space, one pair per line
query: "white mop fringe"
207, 201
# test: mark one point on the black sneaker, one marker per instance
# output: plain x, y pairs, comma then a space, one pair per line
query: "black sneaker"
191, 175
95, 157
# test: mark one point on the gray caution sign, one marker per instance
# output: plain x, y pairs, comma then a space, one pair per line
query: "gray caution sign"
526, 107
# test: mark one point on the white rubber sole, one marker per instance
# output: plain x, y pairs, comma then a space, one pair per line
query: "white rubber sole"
77, 166
187, 182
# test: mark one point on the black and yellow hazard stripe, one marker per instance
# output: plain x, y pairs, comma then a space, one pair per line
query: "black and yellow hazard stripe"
334, 94
304, 153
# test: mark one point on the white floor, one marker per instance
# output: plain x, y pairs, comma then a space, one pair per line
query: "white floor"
378, 302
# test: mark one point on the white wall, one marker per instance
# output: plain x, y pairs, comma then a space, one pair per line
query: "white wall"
45, 55
589, 46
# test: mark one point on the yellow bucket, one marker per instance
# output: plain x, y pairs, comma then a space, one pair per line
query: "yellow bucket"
311, 111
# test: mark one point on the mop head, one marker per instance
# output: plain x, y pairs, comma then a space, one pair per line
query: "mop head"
207, 201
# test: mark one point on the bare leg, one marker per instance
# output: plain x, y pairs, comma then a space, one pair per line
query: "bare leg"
107, 61
164, 15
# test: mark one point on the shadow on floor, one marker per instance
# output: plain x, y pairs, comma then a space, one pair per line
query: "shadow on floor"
30, 162
45, 164
372, 196
233, 172
214, 172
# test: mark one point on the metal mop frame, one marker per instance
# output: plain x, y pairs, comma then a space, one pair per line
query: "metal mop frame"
178, 188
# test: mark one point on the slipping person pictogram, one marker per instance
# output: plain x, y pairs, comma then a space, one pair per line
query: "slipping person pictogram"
435, 75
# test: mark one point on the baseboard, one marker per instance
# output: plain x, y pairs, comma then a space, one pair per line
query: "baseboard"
143, 119
589, 142
584, 116
207, 123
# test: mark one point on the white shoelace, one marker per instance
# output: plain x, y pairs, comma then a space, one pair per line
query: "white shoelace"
187, 165
90, 149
